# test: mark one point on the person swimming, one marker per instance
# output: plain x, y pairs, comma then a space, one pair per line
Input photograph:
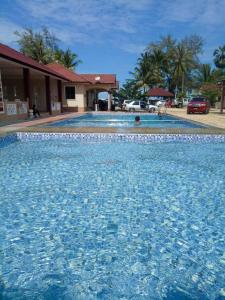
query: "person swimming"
137, 120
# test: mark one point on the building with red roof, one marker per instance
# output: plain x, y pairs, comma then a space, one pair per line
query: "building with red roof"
159, 92
52, 88
81, 90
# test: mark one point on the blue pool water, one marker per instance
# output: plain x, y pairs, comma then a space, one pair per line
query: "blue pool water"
112, 220
125, 121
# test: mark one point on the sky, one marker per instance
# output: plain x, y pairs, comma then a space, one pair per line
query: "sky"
109, 35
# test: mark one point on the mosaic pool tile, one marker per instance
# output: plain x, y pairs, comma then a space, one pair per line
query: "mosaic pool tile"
112, 217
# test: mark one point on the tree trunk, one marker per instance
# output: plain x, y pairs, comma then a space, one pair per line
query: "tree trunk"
222, 99
182, 87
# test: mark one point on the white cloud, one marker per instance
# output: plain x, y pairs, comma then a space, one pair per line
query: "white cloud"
86, 15
68, 37
113, 21
7, 30
194, 12
134, 48
133, 4
89, 21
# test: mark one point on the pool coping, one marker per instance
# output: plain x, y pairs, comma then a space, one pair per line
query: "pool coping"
38, 127
205, 129
133, 130
102, 137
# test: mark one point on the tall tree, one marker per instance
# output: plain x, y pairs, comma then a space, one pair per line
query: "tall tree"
183, 62
43, 47
179, 61
40, 46
219, 57
129, 90
219, 60
67, 58
142, 72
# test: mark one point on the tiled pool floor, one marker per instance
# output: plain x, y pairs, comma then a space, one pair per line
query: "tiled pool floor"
112, 220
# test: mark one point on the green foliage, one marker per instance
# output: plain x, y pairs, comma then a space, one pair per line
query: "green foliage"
181, 95
206, 74
219, 57
169, 63
67, 58
130, 90
210, 91
40, 46
43, 47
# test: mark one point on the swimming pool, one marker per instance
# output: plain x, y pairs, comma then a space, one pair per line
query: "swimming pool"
125, 121
103, 217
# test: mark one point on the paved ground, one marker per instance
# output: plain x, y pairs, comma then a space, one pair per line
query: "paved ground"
214, 119
35, 122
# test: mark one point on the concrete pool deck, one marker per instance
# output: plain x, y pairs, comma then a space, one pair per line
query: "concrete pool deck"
214, 120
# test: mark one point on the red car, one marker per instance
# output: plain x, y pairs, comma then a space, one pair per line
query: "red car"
198, 105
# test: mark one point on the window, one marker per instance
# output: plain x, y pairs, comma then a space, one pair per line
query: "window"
136, 103
70, 92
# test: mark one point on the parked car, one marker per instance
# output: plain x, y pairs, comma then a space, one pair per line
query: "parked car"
125, 102
199, 105
153, 105
136, 105
178, 103
160, 103
185, 101
151, 108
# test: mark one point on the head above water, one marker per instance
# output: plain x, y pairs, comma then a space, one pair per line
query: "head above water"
137, 119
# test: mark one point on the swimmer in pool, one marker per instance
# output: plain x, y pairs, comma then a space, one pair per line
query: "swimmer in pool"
137, 120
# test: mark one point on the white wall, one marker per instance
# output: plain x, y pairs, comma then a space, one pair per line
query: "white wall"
80, 96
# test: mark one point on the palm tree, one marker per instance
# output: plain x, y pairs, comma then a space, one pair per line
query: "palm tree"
158, 62
205, 73
142, 72
150, 69
183, 62
219, 57
67, 58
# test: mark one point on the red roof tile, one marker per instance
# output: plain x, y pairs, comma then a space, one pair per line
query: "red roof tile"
83, 78
13, 55
101, 78
159, 92
69, 74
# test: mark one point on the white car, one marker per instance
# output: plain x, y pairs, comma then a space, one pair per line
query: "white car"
125, 102
152, 108
136, 106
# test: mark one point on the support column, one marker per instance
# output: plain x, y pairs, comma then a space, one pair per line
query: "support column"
26, 85
48, 94
59, 86
109, 100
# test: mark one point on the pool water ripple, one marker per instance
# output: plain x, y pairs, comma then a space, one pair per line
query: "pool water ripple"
123, 121
112, 220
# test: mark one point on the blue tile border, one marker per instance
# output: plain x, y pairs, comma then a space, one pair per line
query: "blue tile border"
8, 139
106, 137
